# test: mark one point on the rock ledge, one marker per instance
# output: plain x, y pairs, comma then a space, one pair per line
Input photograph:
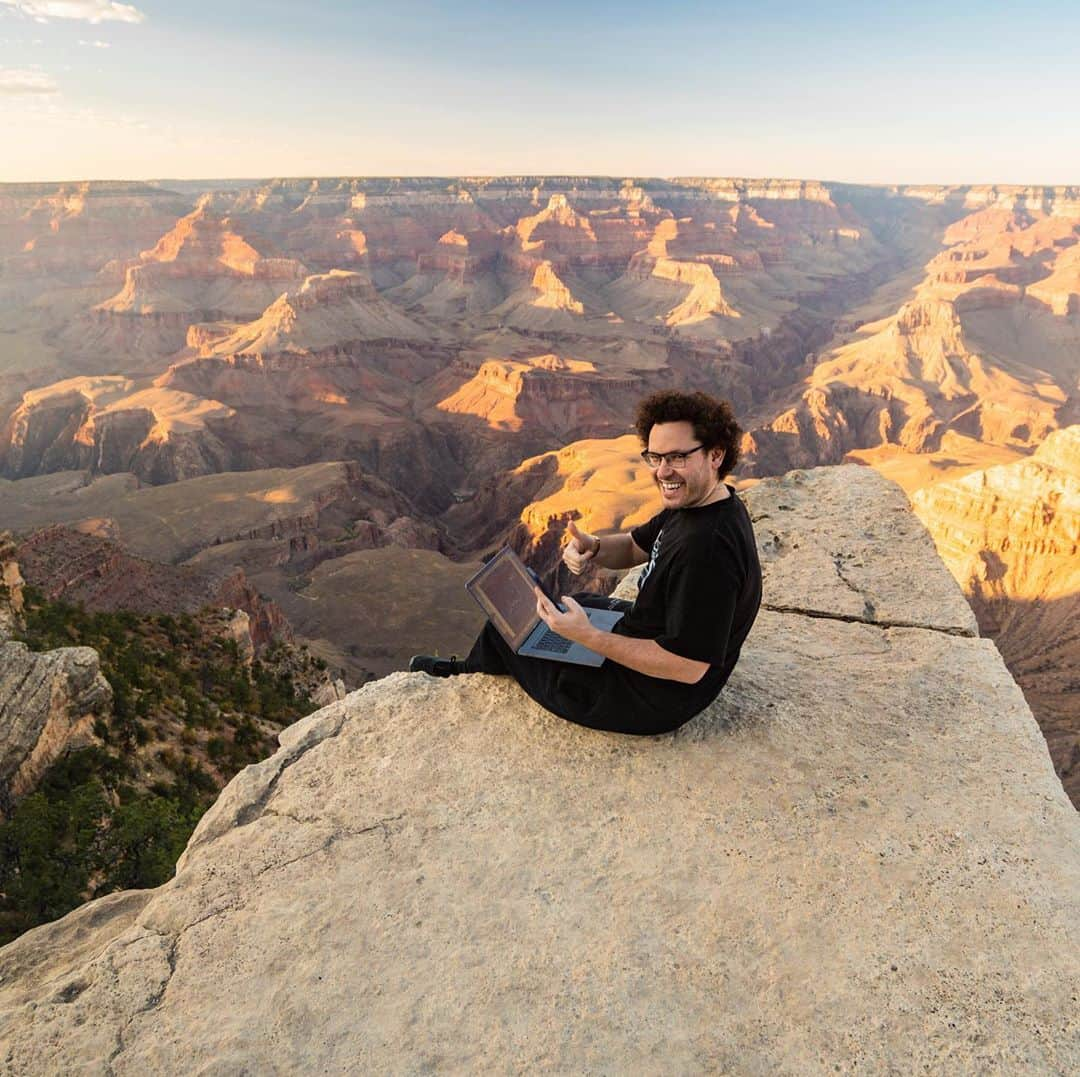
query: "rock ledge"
859, 858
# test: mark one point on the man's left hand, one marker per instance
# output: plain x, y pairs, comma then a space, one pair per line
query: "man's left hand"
573, 623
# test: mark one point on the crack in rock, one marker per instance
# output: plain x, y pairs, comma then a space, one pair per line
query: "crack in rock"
868, 606
330, 840
155, 999
250, 812
152, 1002
379, 824
851, 618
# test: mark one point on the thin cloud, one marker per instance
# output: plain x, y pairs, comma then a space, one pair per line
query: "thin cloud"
93, 11
96, 44
19, 82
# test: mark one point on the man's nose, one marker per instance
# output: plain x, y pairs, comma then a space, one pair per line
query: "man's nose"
665, 470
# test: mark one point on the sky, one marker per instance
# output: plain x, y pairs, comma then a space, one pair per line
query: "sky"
905, 93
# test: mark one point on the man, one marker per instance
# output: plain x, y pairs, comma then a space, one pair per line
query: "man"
675, 647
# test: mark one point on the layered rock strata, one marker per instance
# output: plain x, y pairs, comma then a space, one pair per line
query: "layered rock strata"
984, 347
108, 424
96, 573
58, 228
859, 858
1011, 537
295, 510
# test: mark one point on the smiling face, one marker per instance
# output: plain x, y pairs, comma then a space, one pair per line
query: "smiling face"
695, 483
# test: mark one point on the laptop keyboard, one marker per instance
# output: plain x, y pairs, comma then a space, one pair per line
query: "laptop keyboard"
553, 643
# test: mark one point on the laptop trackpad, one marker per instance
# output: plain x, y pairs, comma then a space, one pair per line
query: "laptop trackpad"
545, 643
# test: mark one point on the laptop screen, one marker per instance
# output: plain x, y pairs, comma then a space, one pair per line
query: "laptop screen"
504, 590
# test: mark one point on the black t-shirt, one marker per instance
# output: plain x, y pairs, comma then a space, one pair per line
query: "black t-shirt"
697, 597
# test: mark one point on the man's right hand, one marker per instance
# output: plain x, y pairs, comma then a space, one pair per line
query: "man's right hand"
580, 550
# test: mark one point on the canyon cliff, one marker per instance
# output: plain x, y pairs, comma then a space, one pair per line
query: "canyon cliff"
984, 347
859, 857
1011, 537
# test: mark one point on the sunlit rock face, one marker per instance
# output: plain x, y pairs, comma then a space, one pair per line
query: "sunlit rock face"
60, 229
203, 263
544, 393
107, 425
1011, 537
602, 484
439, 874
202, 269
986, 347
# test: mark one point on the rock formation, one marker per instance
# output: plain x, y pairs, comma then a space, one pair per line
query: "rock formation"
48, 704
544, 304
544, 394
201, 265
48, 229
107, 425
11, 588
858, 858
330, 311
96, 573
1011, 537
201, 269
984, 348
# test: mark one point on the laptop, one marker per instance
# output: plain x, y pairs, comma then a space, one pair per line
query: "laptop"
504, 590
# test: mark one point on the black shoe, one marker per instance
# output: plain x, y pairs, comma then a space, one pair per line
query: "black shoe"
436, 667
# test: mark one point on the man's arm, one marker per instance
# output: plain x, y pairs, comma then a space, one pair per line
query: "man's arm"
609, 551
644, 655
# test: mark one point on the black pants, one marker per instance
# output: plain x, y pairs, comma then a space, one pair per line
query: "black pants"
607, 697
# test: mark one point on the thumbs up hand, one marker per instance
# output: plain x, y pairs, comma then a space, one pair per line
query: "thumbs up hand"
580, 549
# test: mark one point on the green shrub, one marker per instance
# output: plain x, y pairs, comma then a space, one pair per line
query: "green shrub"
96, 822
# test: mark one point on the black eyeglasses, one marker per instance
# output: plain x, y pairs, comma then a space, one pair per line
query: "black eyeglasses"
674, 459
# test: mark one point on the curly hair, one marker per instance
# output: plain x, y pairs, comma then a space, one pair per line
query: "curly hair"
713, 421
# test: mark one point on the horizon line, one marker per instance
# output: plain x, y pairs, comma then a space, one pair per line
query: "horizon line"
620, 177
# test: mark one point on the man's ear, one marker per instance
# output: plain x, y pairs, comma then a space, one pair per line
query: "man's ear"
717, 456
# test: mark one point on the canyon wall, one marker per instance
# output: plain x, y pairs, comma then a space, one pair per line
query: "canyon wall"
1011, 537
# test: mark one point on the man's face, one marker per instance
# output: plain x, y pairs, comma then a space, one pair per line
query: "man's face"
690, 485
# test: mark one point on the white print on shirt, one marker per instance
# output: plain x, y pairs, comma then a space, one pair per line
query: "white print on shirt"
653, 555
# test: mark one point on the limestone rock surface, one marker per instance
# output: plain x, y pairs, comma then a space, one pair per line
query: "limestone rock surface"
852, 554
859, 859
